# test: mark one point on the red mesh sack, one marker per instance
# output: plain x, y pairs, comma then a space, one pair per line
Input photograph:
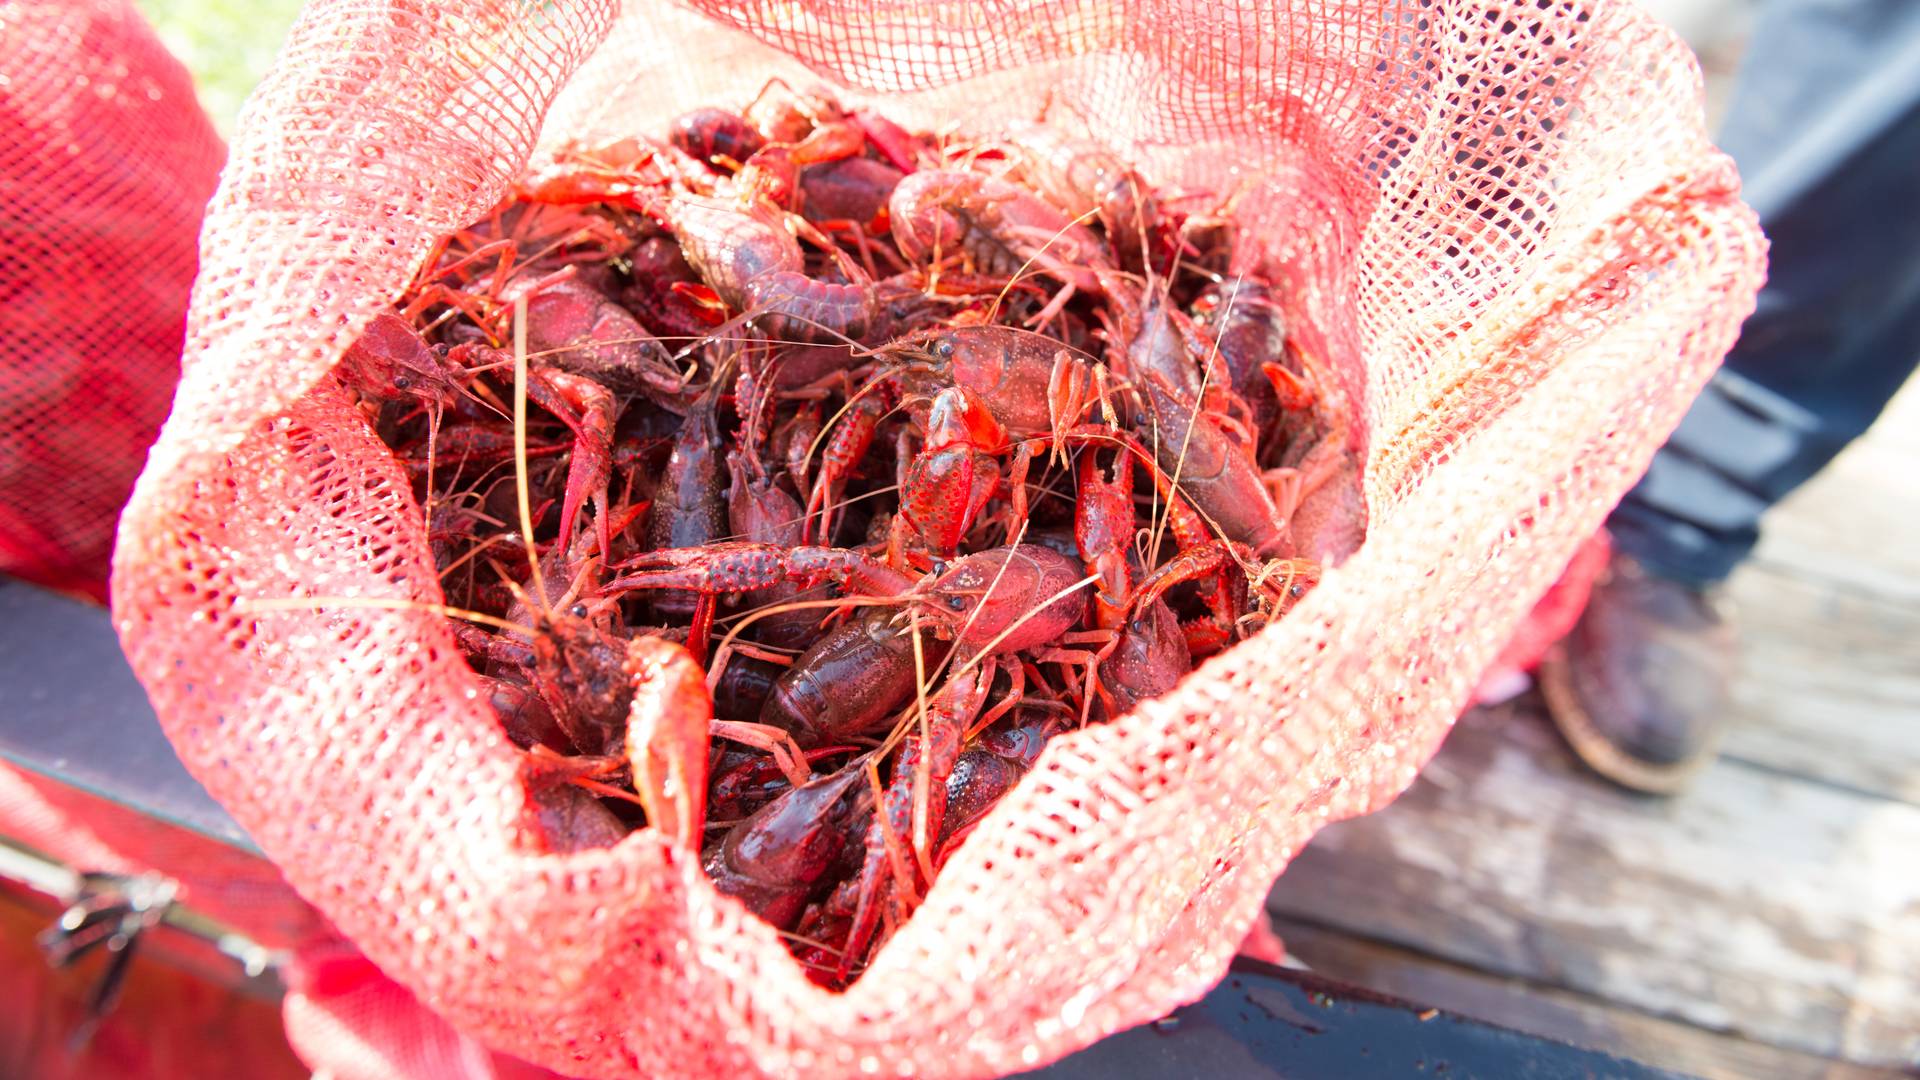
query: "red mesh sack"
1551, 619
106, 162
1500, 221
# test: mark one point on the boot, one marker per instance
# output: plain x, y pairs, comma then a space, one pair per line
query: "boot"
1641, 687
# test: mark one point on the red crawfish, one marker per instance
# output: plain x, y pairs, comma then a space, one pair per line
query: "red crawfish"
928, 752
850, 681
744, 249
666, 295
744, 781
992, 389
587, 407
664, 740
575, 327
853, 679
522, 715
553, 258
689, 508
666, 737
809, 128
744, 687
777, 171
1000, 391
574, 658
580, 672
1030, 382
1002, 228
1250, 334
982, 602
391, 362
760, 510
471, 442
990, 766
1278, 585
777, 859
846, 447
1156, 338
1088, 180
567, 817
715, 136
980, 775
855, 190
749, 256
1209, 468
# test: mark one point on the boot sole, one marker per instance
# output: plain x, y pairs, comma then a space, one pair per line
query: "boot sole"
1597, 751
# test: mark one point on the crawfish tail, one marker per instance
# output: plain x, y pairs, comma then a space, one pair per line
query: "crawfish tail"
801, 307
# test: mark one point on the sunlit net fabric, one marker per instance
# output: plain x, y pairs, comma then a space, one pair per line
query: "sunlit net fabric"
1501, 221
105, 163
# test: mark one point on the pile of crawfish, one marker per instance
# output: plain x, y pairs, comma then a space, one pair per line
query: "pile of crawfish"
850, 466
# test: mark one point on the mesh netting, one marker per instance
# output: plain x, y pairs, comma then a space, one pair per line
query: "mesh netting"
105, 163
1500, 221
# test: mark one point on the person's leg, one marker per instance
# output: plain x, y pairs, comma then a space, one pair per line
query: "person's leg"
1826, 128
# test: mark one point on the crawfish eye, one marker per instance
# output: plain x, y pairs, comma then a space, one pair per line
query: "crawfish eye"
578, 611
401, 382
939, 567
957, 602
1297, 591
943, 349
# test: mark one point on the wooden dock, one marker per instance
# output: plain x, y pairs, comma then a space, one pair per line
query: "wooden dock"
1765, 923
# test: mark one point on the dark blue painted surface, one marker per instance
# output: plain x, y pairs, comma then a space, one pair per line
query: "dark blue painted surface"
70, 708
1263, 1021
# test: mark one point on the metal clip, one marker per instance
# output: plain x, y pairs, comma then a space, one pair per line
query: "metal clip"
110, 910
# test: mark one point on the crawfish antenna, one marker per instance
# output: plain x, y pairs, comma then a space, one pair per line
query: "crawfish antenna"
520, 445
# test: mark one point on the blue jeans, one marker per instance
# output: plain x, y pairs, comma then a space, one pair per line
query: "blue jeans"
1825, 125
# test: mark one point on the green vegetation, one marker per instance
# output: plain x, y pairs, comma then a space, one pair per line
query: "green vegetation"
227, 44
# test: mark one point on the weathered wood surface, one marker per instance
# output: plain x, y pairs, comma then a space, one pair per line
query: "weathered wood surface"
1830, 613
1830, 682
1856, 524
1767, 906
1778, 901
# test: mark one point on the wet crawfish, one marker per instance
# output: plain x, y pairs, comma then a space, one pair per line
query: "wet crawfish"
943, 449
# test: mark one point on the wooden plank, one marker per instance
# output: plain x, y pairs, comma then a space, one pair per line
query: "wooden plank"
1766, 906
1898, 427
1829, 684
1553, 1013
1852, 526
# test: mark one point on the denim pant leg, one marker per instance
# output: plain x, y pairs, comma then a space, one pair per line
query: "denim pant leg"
1826, 128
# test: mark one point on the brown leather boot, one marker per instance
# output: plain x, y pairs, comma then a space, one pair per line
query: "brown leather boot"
1642, 686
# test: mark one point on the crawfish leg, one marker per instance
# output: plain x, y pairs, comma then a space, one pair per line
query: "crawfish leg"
1005, 705
861, 244
777, 742
1089, 662
590, 410
1017, 470
845, 449
1103, 531
701, 629
948, 715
